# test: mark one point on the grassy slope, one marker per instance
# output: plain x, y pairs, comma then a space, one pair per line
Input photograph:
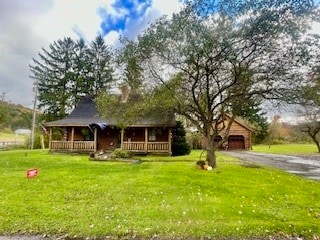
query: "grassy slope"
74, 196
11, 137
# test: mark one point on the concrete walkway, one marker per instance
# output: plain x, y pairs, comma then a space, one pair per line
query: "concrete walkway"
307, 166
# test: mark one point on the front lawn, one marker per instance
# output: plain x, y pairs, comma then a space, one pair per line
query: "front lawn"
287, 149
73, 196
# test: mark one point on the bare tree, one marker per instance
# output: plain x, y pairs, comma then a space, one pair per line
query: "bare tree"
311, 124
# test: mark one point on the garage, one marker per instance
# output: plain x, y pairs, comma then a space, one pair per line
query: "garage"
239, 136
236, 142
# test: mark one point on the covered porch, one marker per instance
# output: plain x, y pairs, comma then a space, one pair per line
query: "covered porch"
141, 140
146, 140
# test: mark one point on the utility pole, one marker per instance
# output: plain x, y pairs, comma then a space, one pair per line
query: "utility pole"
35, 90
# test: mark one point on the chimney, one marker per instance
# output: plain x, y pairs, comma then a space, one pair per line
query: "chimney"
125, 90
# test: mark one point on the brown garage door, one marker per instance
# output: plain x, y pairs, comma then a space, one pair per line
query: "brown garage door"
236, 142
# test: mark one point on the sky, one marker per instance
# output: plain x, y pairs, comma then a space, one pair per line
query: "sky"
26, 26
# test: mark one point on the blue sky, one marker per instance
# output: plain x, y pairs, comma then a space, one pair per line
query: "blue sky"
125, 10
28, 25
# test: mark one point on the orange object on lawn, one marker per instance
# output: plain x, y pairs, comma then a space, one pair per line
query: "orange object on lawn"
32, 173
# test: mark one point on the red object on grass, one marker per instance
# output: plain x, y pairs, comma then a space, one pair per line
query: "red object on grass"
32, 173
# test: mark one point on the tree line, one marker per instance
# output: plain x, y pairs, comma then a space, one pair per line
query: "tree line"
211, 60
14, 116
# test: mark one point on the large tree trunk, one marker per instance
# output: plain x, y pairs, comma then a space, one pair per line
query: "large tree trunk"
211, 157
211, 151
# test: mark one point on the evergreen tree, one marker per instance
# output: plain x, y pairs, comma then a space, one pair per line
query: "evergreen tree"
81, 84
252, 112
68, 71
179, 142
130, 59
100, 69
55, 75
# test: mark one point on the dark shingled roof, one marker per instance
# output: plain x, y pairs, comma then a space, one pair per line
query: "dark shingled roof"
86, 113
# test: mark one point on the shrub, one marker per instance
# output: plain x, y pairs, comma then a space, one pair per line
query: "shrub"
180, 148
38, 141
179, 143
118, 153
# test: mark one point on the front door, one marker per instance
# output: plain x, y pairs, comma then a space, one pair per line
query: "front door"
108, 139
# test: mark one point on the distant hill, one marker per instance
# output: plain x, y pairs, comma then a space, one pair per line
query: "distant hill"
14, 116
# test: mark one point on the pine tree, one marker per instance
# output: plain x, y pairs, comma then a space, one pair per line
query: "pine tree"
100, 69
67, 71
55, 75
179, 143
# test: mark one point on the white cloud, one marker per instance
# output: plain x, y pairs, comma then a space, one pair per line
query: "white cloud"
316, 28
17, 45
167, 7
27, 26
159, 7
69, 18
112, 38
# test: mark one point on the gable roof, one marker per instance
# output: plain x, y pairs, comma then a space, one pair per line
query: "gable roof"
86, 113
241, 123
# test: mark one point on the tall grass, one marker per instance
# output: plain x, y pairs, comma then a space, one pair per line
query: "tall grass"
74, 196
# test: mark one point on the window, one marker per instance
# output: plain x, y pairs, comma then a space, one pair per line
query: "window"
152, 136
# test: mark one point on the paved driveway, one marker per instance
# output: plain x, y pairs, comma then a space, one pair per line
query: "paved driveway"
307, 166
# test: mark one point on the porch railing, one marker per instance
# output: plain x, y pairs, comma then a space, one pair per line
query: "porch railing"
156, 147
73, 146
143, 147
134, 146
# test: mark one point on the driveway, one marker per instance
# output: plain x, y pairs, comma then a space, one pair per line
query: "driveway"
306, 166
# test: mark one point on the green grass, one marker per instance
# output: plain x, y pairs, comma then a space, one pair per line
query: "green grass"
194, 156
287, 148
74, 196
11, 137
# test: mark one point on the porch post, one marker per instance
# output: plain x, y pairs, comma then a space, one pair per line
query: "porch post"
95, 139
72, 137
146, 140
169, 140
122, 138
50, 138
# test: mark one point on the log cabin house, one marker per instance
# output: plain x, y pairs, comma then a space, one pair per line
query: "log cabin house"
84, 130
